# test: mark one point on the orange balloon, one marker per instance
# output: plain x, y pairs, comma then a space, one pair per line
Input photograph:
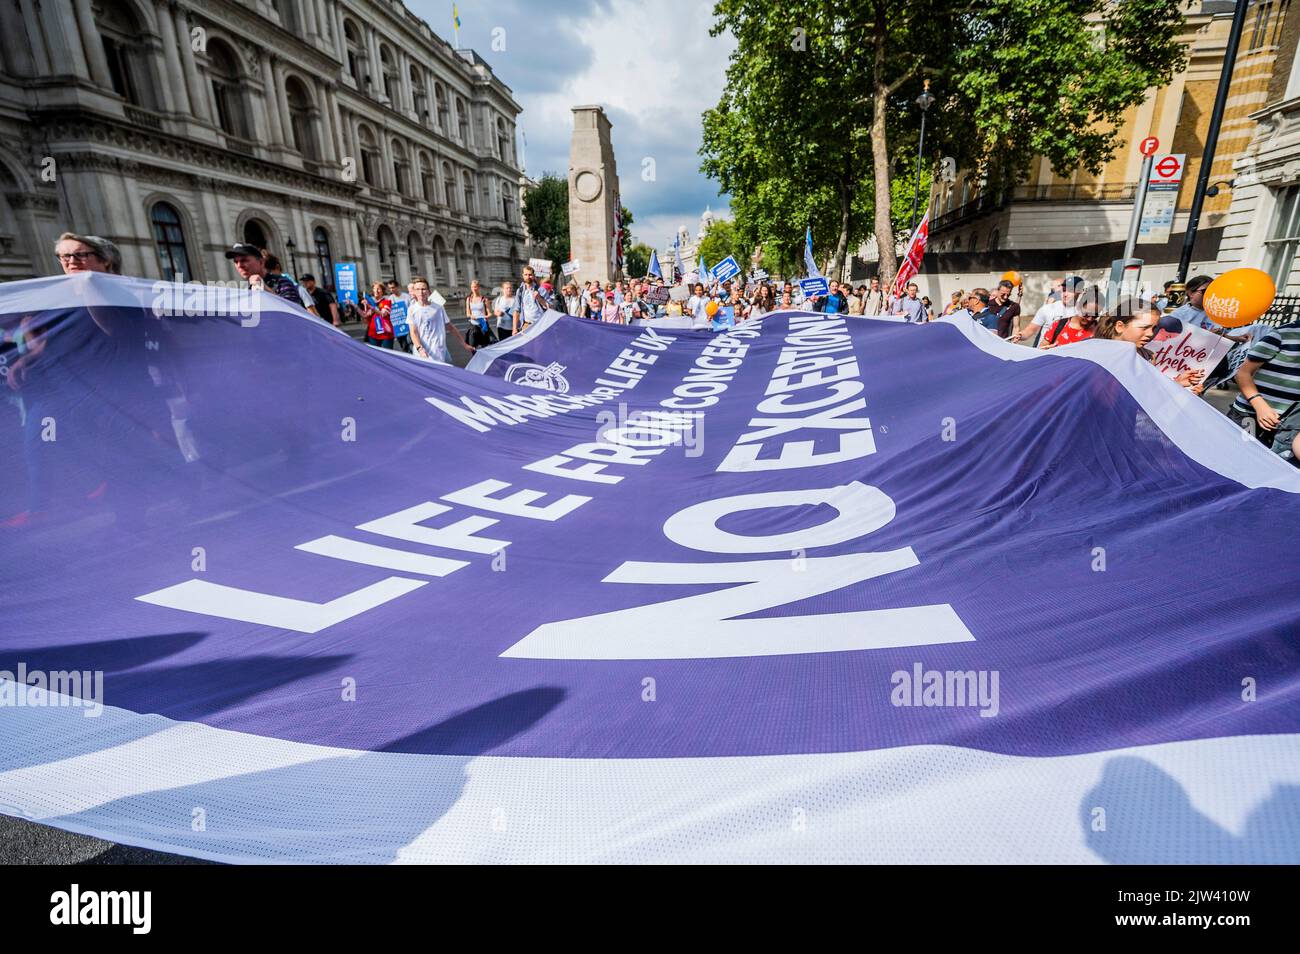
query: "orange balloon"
711, 309
1239, 296
1012, 277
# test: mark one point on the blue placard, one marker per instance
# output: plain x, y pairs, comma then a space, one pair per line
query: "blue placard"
397, 314
345, 282
724, 319
725, 269
814, 287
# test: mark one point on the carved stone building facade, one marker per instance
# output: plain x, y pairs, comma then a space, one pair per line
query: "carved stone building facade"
324, 130
1263, 227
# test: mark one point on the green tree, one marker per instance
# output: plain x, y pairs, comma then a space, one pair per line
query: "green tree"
723, 239
546, 214
636, 260
817, 122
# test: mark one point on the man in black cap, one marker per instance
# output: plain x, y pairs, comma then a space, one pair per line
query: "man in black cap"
251, 266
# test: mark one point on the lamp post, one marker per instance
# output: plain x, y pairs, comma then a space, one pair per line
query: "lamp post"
292, 246
924, 101
1211, 141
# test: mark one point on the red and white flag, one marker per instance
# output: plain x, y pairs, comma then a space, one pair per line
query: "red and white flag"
911, 263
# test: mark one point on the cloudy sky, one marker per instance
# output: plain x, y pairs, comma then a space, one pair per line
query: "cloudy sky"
650, 63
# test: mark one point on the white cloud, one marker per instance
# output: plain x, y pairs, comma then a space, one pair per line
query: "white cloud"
652, 65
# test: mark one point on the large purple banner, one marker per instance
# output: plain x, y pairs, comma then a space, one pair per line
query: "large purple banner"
812, 535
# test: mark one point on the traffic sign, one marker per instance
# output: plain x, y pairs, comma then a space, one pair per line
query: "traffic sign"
1149, 146
1168, 169
1162, 198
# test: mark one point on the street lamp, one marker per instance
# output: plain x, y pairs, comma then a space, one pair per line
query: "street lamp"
293, 258
924, 101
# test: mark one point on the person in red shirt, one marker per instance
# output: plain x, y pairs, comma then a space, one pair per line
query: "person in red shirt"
375, 308
1078, 326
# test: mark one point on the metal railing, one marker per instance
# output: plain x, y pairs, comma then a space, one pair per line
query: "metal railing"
1066, 192
1284, 310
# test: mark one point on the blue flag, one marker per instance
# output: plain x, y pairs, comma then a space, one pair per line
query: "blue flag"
369, 609
809, 263
654, 265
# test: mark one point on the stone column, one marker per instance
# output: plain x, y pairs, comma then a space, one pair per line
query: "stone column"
329, 132
386, 152
276, 133
376, 66
91, 43
309, 26
16, 54
40, 56
176, 78
281, 100
193, 79
66, 49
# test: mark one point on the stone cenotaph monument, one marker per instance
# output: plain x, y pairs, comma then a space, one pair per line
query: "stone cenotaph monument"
593, 196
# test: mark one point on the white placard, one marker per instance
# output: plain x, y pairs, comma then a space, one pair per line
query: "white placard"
1188, 350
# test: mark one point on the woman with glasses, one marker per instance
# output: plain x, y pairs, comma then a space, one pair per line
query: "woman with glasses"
87, 253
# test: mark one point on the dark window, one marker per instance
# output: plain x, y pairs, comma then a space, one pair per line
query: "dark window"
169, 236
255, 235
119, 70
324, 260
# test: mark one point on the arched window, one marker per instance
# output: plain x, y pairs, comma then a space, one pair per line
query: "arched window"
428, 181
302, 118
389, 73
419, 96
369, 156
974, 241
324, 259
356, 52
478, 263
462, 120
449, 185
467, 182
503, 141
440, 103
169, 237
227, 89
994, 238
507, 203
387, 256
258, 233
401, 180
288, 15
125, 50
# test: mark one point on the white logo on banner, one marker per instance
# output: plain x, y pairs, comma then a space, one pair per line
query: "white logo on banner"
547, 378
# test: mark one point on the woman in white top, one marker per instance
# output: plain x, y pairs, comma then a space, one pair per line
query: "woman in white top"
476, 310
697, 305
